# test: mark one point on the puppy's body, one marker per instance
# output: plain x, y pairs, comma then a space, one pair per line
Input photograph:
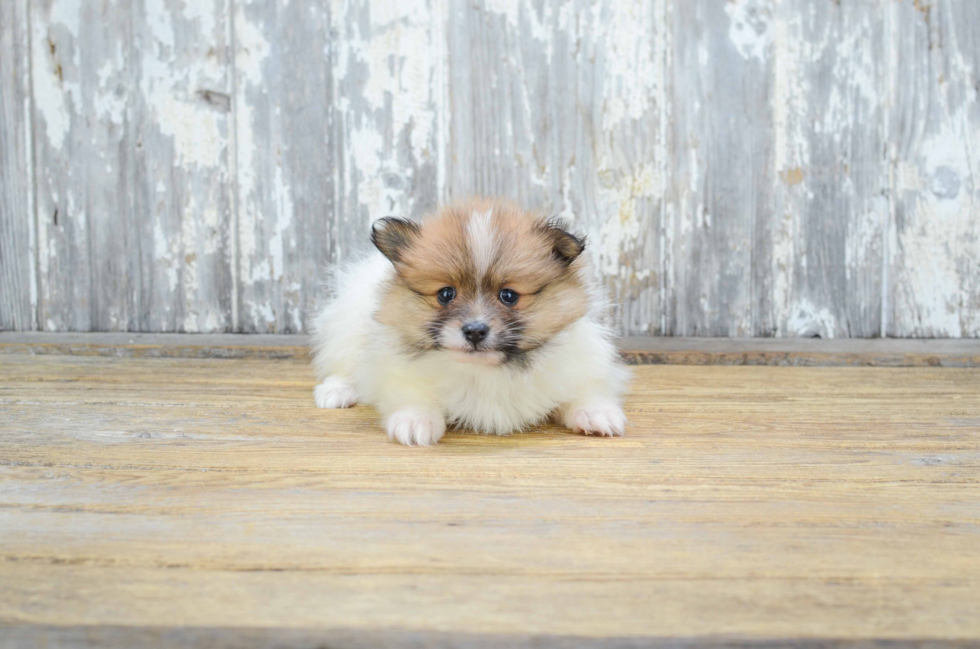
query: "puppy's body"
389, 336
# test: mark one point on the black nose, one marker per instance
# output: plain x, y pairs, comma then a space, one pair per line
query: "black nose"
475, 331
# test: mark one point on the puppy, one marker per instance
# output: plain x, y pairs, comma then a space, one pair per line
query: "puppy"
483, 316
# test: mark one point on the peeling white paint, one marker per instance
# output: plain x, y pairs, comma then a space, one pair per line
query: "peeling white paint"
169, 93
163, 257
202, 12
262, 313
391, 102
939, 241
632, 75
509, 9
864, 239
252, 50
620, 231
158, 20
198, 139
807, 320
389, 61
52, 96
284, 219
109, 105
784, 239
749, 28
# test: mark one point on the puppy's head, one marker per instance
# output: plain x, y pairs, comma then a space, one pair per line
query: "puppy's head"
485, 280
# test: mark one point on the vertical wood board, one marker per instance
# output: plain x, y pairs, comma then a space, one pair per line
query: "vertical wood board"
830, 184
285, 161
132, 172
934, 146
387, 113
721, 169
18, 288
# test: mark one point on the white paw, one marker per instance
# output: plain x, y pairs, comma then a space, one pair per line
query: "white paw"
601, 417
334, 392
416, 426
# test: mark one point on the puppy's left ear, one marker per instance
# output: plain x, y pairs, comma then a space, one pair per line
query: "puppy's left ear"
565, 246
392, 236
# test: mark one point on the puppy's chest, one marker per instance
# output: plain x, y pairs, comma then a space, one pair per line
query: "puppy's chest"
490, 399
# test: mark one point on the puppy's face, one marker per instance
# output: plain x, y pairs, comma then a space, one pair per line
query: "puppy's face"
487, 281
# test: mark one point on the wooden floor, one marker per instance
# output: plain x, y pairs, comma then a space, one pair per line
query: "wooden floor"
206, 502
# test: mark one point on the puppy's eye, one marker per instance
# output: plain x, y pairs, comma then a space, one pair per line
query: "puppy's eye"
446, 295
508, 296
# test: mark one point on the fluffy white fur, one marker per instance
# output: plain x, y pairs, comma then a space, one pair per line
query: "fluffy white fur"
575, 376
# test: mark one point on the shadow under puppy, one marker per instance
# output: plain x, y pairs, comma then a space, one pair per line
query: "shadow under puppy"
484, 315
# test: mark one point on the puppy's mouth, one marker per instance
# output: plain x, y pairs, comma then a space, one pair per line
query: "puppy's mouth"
477, 356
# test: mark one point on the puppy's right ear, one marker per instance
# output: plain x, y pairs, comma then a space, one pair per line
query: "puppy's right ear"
392, 236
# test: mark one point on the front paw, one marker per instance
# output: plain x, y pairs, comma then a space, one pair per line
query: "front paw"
334, 392
416, 426
601, 417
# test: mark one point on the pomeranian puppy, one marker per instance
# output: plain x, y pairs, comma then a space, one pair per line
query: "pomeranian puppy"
482, 316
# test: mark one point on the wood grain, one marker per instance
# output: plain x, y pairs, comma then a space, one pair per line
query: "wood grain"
742, 168
635, 350
778, 187
934, 146
132, 173
123, 637
722, 173
388, 116
285, 161
762, 504
830, 182
18, 290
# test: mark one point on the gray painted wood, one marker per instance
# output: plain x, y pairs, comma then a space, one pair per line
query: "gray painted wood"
558, 105
88, 275
934, 145
826, 225
387, 111
721, 159
742, 168
17, 278
184, 175
132, 173
285, 160
778, 201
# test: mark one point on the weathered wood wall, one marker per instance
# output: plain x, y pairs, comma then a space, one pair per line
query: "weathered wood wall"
743, 167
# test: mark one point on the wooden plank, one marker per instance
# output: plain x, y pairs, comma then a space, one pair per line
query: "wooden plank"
285, 161
720, 189
785, 505
388, 112
635, 350
18, 290
560, 108
805, 352
184, 174
88, 273
777, 208
827, 220
934, 146
131, 107
143, 345
123, 637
